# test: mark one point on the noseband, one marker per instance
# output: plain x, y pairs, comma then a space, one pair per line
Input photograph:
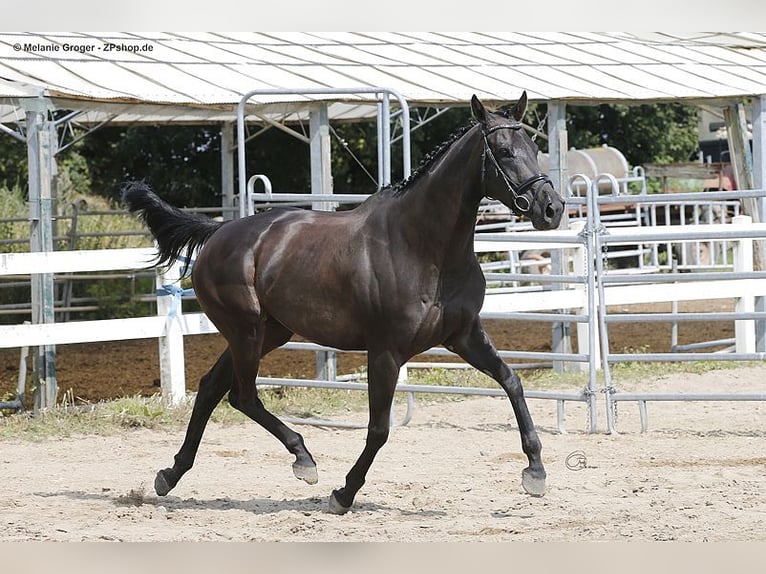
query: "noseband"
520, 200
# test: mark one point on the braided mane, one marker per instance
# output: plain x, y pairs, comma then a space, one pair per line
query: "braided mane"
403, 186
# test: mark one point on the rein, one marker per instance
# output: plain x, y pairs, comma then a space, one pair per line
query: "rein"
520, 200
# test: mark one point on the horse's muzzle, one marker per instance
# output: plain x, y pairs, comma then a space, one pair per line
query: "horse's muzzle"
551, 208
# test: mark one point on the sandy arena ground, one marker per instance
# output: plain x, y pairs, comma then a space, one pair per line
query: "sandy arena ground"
452, 474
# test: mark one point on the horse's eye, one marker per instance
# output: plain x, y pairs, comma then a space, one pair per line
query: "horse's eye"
504, 152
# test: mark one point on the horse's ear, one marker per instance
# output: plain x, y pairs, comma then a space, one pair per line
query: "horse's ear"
478, 110
520, 108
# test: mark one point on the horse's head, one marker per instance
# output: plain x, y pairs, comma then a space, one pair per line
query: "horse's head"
511, 173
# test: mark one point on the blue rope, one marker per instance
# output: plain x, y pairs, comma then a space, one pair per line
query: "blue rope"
176, 292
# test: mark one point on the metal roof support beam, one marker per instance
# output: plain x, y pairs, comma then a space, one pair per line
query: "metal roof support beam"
557, 152
742, 164
227, 170
41, 143
12, 133
320, 155
384, 142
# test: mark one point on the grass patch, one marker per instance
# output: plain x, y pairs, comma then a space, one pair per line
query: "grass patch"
129, 413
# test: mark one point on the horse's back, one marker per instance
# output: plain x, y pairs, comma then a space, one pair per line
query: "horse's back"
300, 267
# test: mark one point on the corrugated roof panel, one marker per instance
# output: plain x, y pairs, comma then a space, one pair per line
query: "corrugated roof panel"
455, 38
452, 55
200, 37
551, 37
54, 76
737, 56
656, 87
347, 38
397, 55
574, 54
692, 85
618, 79
204, 82
620, 53
227, 53
491, 54
308, 55
289, 78
274, 55
403, 79
356, 55
124, 83
722, 76
493, 82
537, 55
756, 54
442, 67
560, 81
296, 38
433, 84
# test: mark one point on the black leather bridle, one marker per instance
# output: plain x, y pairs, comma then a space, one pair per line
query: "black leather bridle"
520, 200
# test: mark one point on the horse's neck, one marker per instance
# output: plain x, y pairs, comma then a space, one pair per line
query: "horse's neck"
443, 203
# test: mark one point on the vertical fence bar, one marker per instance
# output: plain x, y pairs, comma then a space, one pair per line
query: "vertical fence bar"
171, 345
599, 273
593, 253
744, 331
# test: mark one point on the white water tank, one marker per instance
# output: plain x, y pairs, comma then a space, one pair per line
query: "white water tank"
592, 162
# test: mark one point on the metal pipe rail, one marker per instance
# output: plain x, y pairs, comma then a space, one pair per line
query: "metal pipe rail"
241, 159
643, 398
600, 238
669, 317
560, 397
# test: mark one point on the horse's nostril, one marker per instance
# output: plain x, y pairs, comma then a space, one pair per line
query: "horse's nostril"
550, 212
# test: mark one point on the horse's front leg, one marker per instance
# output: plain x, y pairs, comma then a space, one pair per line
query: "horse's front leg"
382, 373
475, 347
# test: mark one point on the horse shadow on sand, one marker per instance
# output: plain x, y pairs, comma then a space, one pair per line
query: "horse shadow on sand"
258, 506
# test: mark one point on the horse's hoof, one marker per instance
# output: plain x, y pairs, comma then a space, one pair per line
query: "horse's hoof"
336, 507
306, 473
533, 485
161, 486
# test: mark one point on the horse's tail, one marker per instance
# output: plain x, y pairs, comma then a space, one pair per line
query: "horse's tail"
174, 230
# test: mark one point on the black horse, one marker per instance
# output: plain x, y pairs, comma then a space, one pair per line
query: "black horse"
395, 277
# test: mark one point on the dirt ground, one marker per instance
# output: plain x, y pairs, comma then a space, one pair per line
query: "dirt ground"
102, 371
452, 474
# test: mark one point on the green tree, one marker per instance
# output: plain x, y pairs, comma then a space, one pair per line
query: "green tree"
661, 133
183, 163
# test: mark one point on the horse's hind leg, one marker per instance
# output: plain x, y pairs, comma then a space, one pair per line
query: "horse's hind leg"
212, 388
475, 347
247, 353
383, 370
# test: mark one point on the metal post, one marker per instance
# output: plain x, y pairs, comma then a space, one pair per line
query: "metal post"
593, 252
385, 138
742, 163
557, 151
321, 183
321, 174
759, 182
227, 170
41, 159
